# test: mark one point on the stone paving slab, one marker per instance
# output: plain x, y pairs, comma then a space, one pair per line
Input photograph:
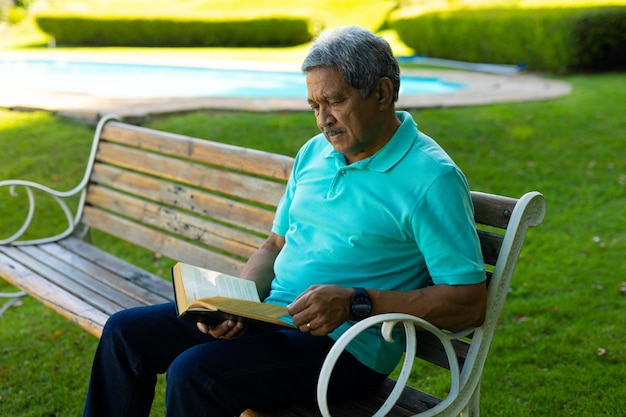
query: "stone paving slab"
482, 89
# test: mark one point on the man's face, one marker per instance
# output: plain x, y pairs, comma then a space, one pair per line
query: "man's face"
350, 122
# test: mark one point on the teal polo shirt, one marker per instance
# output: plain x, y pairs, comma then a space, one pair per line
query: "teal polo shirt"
394, 221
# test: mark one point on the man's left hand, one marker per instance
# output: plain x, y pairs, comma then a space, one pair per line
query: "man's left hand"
321, 308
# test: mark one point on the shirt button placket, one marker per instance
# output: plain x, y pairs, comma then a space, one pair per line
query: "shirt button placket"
340, 174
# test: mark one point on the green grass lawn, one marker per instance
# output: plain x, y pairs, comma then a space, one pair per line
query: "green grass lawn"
560, 349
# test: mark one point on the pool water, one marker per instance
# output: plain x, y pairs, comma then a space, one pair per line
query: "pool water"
153, 81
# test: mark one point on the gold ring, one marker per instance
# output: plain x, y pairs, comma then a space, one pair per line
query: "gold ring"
309, 326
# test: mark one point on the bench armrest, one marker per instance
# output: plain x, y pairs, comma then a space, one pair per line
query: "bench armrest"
58, 196
389, 321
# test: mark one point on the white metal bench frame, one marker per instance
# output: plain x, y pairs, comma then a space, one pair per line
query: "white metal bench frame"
73, 220
464, 394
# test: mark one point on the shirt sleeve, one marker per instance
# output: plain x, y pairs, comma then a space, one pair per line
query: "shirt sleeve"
445, 232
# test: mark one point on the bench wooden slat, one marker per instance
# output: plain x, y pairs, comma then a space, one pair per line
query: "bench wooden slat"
213, 206
430, 349
116, 283
410, 403
493, 210
220, 154
160, 243
170, 221
75, 279
490, 244
191, 173
55, 272
126, 271
49, 294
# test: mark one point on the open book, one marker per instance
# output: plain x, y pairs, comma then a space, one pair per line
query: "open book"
212, 297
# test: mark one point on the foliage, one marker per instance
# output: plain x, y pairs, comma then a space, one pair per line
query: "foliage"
600, 36
562, 39
175, 32
175, 16
25, 4
13, 13
327, 12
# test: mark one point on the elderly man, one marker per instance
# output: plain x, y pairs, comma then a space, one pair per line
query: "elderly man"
375, 218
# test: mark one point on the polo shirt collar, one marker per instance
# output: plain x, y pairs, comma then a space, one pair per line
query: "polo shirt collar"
392, 152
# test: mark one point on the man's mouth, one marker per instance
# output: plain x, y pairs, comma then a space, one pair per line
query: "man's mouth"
329, 133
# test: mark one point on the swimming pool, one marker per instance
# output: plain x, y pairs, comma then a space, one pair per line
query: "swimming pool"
124, 80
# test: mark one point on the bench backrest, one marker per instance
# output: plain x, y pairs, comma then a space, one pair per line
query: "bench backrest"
212, 205
192, 200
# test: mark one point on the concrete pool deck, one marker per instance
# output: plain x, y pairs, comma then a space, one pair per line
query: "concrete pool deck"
482, 89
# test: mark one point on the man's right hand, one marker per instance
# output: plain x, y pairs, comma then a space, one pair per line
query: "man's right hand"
227, 329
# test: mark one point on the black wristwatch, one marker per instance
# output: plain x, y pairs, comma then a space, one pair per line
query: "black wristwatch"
360, 305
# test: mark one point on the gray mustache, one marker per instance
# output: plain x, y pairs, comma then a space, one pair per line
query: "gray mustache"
329, 131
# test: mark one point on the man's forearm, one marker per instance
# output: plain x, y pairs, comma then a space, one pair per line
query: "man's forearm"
450, 307
260, 269
260, 265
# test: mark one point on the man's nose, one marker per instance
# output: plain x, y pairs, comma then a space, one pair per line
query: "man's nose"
325, 116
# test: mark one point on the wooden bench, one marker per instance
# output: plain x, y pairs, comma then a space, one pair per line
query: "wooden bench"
212, 205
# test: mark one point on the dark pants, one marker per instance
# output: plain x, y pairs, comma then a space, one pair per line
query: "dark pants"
206, 376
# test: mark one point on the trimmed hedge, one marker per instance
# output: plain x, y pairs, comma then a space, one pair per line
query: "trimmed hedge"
556, 40
12, 14
175, 32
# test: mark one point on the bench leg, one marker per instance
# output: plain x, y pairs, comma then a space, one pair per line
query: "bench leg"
473, 406
14, 299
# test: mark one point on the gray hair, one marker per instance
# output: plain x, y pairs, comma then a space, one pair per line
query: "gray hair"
362, 57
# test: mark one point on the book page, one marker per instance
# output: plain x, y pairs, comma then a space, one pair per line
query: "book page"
203, 283
233, 287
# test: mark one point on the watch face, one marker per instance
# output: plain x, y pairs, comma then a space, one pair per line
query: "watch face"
361, 305
360, 311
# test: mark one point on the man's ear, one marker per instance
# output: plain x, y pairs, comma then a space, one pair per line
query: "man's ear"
385, 93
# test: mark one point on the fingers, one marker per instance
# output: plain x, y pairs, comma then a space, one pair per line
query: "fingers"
315, 330
308, 327
203, 327
225, 330
299, 304
302, 313
305, 305
321, 308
